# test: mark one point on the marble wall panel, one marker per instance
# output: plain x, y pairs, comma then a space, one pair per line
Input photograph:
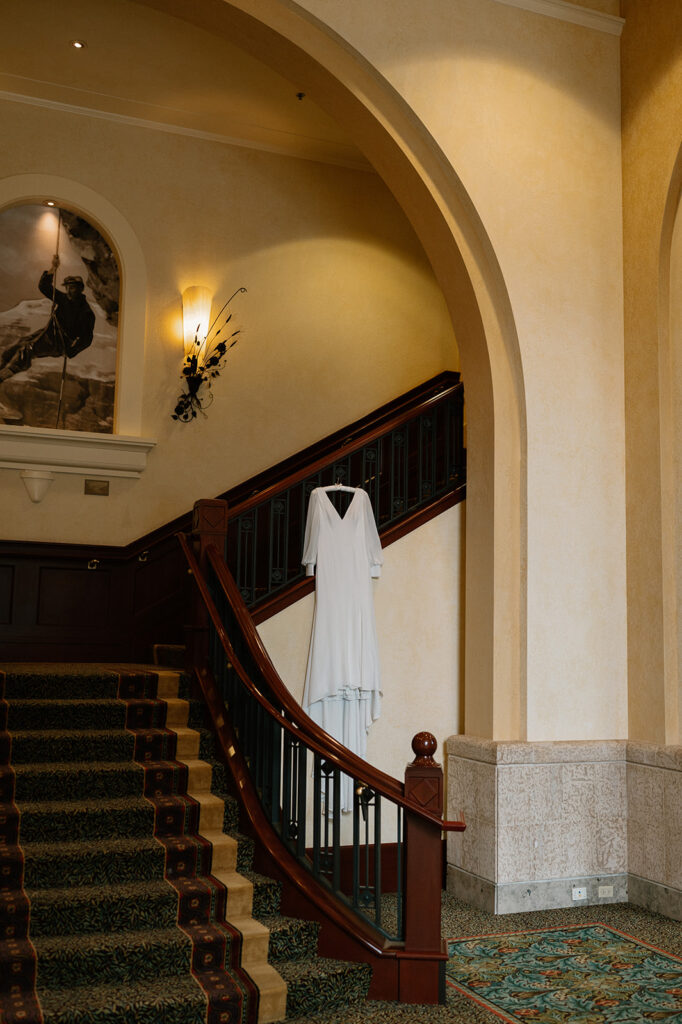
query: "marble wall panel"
672, 809
545, 813
573, 816
646, 821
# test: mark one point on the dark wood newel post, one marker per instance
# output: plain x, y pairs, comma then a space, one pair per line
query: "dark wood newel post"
422, 963
209, 526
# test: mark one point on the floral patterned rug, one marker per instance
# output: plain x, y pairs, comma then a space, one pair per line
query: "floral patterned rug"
586, 974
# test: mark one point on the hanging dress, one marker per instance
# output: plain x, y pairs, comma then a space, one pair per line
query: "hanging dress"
342, 690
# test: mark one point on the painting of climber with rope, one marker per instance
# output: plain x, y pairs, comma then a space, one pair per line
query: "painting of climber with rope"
59, 299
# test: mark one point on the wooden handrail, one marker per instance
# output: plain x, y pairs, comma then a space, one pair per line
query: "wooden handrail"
354, 439
300, 724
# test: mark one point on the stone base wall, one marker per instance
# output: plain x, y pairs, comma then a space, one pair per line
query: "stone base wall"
546, 818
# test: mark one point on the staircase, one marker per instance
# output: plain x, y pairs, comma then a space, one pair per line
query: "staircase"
126, 891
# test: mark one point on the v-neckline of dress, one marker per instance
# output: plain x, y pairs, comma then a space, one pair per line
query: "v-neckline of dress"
341, 518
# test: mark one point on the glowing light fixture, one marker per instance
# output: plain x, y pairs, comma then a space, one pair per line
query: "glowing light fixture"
49, 202
196, 314
78, 44
206, 345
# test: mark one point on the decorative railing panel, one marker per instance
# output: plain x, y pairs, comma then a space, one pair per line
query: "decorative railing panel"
405, 466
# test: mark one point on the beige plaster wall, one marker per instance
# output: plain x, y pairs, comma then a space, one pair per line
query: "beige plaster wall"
527, 110
652, 112
418, 605
342, 311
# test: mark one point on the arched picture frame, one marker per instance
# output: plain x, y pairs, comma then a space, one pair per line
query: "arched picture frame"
58, 331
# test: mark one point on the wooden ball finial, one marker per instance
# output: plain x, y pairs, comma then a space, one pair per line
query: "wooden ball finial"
424, 746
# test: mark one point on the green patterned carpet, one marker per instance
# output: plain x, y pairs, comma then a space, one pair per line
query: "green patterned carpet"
592, 974
109, 913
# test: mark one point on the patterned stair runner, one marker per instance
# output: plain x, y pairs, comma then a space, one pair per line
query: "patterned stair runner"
126, 895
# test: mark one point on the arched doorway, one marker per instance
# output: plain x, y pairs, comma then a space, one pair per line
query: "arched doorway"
413, 167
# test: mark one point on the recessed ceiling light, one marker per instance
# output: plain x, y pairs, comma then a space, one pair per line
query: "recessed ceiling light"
49, 202
78, 44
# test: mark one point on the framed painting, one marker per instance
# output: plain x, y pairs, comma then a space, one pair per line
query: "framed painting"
59, 304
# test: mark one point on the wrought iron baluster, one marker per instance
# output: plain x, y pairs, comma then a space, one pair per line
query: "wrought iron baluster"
456, 412
399, 869
302, 796
406, 467
357, 794
398, 474
336, 831
246, 555
449, 467
278, 542
286, 786
317, 812
377, 858
326, 855
254, 553
257, 745
276, 773
427, 459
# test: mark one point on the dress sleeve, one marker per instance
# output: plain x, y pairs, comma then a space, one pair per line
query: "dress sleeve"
374, 552
312, 534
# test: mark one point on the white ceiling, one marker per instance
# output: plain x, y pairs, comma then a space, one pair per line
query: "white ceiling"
142, 64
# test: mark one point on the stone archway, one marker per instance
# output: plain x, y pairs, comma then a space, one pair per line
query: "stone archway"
408, 159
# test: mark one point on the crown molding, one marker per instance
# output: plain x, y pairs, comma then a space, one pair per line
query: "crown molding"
576, 15
322, 151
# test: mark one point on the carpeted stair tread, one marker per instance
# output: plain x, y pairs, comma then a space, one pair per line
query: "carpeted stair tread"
103, 861
323, 984
163, 1000
291, 938
266, 894
96, 908
245, 849
59, 745
76, 685
68, 961
86, 819
74, 780
24, 715
169, 655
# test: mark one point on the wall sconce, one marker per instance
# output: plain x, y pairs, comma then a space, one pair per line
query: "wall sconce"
205, 350
196, 314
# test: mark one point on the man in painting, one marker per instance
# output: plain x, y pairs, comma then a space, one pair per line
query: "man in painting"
67, 332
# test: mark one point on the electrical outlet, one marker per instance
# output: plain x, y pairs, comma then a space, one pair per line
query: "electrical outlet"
605, 890
579, 893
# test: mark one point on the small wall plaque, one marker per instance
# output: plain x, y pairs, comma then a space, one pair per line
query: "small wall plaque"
97, 487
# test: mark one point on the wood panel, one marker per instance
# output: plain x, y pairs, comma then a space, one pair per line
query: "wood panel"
73, 597
6, 591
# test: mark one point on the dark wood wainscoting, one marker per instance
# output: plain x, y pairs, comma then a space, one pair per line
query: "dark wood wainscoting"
73, 602
86, 603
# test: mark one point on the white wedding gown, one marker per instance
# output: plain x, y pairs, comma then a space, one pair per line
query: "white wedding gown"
342, 687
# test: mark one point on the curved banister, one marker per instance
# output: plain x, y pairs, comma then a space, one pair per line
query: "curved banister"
296, 722
291, 778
